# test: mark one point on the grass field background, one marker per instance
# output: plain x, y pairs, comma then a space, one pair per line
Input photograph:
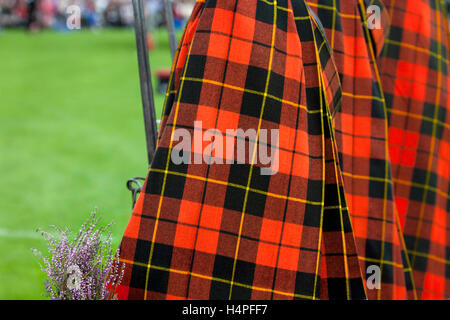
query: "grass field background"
71, 135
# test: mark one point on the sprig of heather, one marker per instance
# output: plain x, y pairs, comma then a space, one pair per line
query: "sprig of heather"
82, 266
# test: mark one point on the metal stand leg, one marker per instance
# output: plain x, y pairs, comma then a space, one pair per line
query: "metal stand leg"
148, 102
170, 27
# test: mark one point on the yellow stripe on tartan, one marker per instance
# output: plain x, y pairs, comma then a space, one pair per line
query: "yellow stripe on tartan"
418, 116
269, 70
419, 49
301, 18
359, 96
229, 86
433, 135
163, 187
426, 187
210, 278
349, 16
399, 181
429, 256
225, 183
392, 263
361, 177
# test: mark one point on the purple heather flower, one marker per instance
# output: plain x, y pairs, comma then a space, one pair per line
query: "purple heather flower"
81, 266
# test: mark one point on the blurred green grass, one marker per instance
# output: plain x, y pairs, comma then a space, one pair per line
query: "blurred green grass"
71, 135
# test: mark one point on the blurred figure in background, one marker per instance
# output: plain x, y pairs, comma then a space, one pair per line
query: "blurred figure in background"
182, 10
32, 14
41, 14
119, 13
38, 14
13, 13
154, 11
47, 11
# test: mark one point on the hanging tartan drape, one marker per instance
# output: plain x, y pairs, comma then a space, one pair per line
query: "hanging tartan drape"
362, 136
415, 73
314, 71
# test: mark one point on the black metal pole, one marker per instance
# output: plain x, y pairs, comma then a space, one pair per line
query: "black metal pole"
148, 102
170, 27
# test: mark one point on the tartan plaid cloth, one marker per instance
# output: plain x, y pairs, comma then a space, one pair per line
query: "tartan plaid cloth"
225, 231
415, 76
362, 136
317, 73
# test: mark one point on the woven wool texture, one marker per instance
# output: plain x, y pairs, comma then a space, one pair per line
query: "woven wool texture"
363, 156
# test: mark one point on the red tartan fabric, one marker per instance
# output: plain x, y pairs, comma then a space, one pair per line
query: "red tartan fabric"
361, 128
225, 231
414, 70
352, 105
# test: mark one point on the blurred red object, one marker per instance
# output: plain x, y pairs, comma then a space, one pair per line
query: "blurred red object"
150, 42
